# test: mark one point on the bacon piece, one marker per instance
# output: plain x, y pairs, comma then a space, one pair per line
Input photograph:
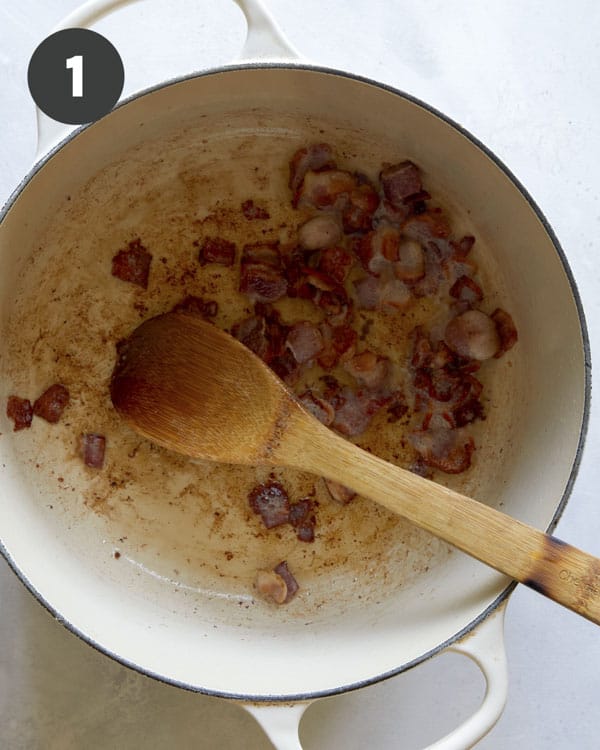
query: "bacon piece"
472, 335
430, 282
336, 305
251, 211
394, 295
252, 333
262, 276
507, 331
463, 247
51, 404
467, 412
205, 308
335, 262
303, 519
285, 367
132, 264
400, 181
387, 214
445, 449
357, 215
318, 407
338, 344
215, 250
271, 585
313, 158
304, 341
377, 250
292, 585
320, 232
270, 501
330, 189
354, 410
369, 369
466, 290
410, 266
367, 292
92, 447
20, 411
339, 492
426, 227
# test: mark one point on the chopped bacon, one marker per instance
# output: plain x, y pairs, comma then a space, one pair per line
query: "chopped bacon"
319, 280
270, 501
387, 214
355, 409
205, 308
466, 290
338, 344
410, 266
445, 449
320, 232
330, 189
252, 333
467, 412
318, 407
215, 250
335, 262
472, 335
463, 247
251, 211
51, 404
430, 282
367, 292
20, 411
305, 341
271, 585
314, 158
394, 295
285, 366
400, 181
132, 264
303, 519
92, 448
292, 585
507, 331
357, 215
336, 305
369, 369
339, 492
262, 276
426, 226
378, 249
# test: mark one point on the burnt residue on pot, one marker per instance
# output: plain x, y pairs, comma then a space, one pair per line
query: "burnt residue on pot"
188, 523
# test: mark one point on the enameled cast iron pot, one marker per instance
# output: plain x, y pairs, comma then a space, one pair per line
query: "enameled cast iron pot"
276, 662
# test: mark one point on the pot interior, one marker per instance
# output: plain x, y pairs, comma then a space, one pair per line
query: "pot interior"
153, 558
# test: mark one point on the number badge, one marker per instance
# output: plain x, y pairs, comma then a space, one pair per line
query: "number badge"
75, 76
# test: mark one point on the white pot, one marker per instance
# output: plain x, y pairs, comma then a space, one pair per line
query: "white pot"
255, 112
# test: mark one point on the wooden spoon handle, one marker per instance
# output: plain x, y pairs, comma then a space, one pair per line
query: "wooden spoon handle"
541, 561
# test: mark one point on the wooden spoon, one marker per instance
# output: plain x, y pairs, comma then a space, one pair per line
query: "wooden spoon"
190, 387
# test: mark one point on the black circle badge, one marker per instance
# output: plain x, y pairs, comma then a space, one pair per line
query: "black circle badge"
75, 76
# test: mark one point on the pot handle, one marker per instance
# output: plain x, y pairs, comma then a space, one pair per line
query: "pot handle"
264, 42
485, 646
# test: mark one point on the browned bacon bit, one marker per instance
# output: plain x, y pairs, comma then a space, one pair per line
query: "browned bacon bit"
215, 250
51, 404
261, 273
206, 308
426, 226
318, 407
378, 249
339, 492
303, 519
387, 214
20, 411
270, 501
472, 335
290, 582
467, 413
92, 448
369, 369
320, 232
410, 266
305, 341
335, 262
285, 367
445, 449
271, 585
338, 344
466, 290
252, 333
463, 247
367, 292
506, 331
251, 211
400, 181
325, 190
355, 409
314, 158
357, 215
397, 409
133, 264
336, 305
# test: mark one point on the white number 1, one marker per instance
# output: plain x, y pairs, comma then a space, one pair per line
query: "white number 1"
76, 65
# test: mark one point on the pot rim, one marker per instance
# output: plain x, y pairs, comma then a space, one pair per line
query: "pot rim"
257, 66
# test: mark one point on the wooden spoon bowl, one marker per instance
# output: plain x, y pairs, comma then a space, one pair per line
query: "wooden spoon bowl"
190, 387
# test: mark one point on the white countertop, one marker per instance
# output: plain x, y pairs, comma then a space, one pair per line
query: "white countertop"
525, 79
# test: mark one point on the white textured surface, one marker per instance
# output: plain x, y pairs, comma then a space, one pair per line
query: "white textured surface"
524, 78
